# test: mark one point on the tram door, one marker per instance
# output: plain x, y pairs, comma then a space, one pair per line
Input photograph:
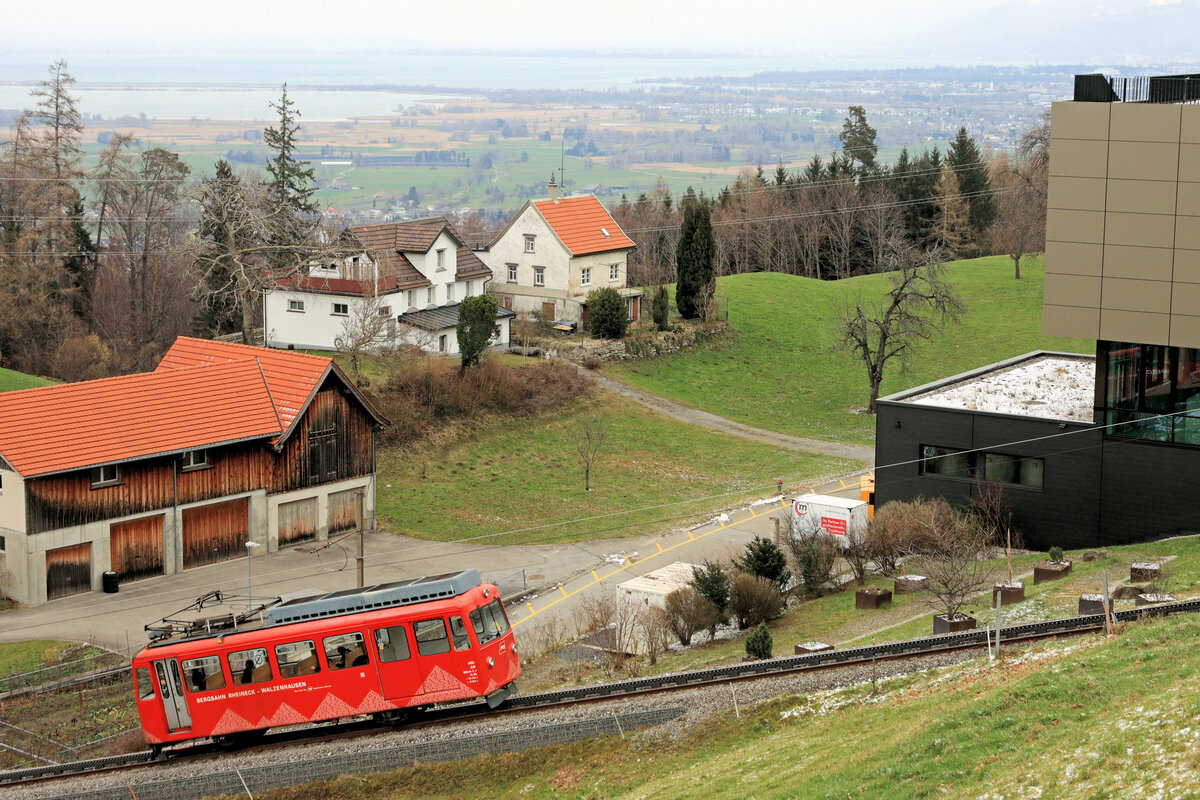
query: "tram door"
170, 683
443, 646
399, 674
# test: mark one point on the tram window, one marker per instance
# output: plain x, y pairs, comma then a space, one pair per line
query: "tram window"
249, 666
458, 633
145, 685
431, 637
489, 621
392, 643
203, 674
345, 650
296, 659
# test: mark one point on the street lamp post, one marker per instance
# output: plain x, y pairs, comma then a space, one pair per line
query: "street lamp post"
249, 592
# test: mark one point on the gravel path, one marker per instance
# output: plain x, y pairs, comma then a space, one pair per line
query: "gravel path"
706, 420
699, 702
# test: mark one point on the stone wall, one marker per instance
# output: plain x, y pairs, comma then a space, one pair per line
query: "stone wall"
635, 345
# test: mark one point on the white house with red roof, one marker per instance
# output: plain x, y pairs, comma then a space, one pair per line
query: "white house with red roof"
158, 472
408, 279
555, 252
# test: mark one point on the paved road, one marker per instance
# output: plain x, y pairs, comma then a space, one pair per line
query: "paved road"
705, 419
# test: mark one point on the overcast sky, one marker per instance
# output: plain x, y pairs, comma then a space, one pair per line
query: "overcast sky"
920, 31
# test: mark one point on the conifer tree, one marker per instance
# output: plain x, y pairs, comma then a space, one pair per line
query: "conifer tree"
950, 228
858, 138
291, 181
695, 262
973, 179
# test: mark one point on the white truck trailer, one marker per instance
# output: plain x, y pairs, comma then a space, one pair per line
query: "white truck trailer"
835, 516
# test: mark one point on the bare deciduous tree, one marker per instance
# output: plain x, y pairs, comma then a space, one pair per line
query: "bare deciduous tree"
591, 440
953, 553
366, 331
918, 304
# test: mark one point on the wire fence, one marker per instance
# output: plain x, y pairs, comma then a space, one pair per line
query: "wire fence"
276, 776
66, 673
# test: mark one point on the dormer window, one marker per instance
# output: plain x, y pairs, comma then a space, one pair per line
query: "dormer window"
105, 476
194, 459
441, 259
529, 237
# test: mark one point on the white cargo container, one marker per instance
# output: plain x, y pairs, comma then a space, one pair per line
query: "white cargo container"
651, 590
835, 516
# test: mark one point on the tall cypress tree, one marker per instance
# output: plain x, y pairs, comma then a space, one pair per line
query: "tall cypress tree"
973, 179
291, 181
695, 260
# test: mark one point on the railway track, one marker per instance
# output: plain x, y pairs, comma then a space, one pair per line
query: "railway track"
832, 659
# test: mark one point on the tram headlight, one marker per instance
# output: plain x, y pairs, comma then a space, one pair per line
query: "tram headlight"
491, 661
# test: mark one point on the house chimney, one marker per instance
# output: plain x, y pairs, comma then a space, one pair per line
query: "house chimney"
552, 188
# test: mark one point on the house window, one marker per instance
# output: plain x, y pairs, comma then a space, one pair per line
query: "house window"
385, 311
614, 272
341, 309
322, 457
441, 259
296, 305
105, 476
412, 298
449, 292
429, 295
512, 273
529, 242
585, 276
539, 276
442, 343
194, 459
332, 268
1, 544
947, 462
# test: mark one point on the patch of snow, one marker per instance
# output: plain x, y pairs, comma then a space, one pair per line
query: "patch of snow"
1050, 387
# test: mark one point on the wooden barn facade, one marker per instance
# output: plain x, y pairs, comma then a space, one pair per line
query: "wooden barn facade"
159, 472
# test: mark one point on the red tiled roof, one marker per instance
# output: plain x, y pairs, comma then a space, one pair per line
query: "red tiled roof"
77, 425
578, 222
316, 283
291, 377
411, 236
469, 266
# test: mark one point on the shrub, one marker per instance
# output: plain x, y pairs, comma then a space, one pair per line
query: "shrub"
687, 613
1056, 553
592, 362
763, 558
812, 552
660, 308
759, 642
607, 316
753, 600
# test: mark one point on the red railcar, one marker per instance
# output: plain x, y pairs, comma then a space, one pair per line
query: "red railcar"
380, 651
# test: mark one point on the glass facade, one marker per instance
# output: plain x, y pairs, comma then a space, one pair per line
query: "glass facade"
1151, 392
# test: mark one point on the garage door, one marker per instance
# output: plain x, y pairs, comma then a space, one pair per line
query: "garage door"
342, 511
137, 547
216, 532
298, 521
68, 570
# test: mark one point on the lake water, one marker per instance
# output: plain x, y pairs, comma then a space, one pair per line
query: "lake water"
209, 95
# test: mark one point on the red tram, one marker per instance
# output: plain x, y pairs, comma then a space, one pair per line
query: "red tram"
380, 651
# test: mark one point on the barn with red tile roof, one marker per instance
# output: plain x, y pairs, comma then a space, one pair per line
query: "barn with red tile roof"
154, 473
554, 252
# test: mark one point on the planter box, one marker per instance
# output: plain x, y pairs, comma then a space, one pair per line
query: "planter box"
1051, 571
1145, 571
1093, 603
911, 584
1009, 593
1153, 599
871, 598
961, 622
812, 647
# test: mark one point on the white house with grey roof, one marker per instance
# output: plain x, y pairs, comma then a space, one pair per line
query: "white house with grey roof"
411, 275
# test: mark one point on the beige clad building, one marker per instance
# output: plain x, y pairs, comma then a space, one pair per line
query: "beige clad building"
1123, 223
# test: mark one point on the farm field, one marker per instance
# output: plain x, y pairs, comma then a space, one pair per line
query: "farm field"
779, 368
524, 473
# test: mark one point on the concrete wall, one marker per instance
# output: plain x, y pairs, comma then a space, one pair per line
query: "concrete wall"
12, 501
1123, 223
321, 492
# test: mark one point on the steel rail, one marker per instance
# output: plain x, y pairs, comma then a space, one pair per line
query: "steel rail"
829, 659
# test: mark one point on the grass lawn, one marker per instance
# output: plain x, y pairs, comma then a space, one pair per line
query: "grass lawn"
779, 367
1080, 718
11, 380
18, 657
520, 473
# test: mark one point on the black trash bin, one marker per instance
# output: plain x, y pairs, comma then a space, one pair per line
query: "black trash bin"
111, 582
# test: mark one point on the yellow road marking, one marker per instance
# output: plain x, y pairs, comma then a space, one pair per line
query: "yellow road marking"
594, 575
